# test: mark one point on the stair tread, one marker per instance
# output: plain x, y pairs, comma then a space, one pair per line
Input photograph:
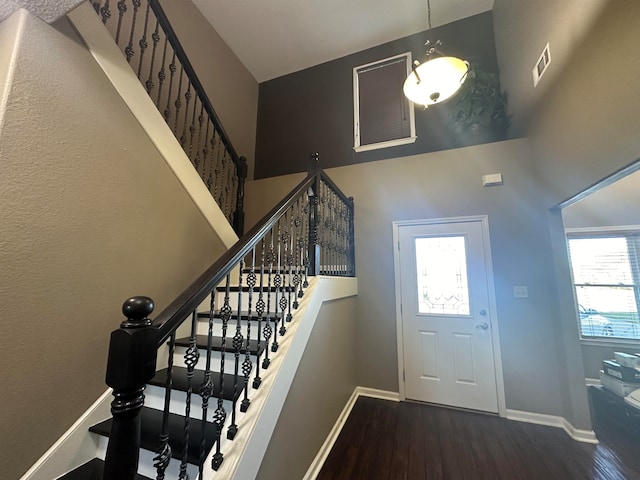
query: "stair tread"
151, 427
216, 343
92, 470
181, 382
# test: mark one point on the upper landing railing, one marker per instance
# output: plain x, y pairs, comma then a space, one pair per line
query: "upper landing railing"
145, 36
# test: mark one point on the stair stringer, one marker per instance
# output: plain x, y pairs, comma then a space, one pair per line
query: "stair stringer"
104, 50
243, 455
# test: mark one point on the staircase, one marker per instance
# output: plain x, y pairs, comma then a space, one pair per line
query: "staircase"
192, 386
210, 362
229, 392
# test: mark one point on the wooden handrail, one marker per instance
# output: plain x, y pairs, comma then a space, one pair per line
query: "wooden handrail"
175, 313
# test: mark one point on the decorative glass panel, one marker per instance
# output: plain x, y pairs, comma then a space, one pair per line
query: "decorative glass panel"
441, 265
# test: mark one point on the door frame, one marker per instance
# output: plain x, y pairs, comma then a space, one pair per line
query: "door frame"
495, 334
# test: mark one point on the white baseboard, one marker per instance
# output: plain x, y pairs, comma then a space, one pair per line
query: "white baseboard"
586, 436
75, 447
326, 447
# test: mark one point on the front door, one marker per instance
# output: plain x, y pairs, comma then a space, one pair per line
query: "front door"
446, 318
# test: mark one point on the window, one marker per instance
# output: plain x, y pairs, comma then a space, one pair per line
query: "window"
441, 266
383, 116
606, 281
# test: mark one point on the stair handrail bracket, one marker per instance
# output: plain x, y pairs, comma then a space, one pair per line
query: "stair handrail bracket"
251, 294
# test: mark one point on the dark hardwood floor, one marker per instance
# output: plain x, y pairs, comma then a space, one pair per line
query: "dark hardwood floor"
384, 440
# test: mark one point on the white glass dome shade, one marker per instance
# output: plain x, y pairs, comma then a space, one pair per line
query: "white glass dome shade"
435, 80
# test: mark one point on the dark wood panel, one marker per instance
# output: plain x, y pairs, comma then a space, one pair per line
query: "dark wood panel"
409, 441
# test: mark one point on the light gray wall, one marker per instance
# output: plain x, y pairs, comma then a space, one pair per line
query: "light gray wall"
522, 29
325, 380
231, 88
449, 184
587, 127
90, 215
612, 206
584, 130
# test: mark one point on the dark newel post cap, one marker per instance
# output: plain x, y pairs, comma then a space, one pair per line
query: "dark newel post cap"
137, 309
314, 162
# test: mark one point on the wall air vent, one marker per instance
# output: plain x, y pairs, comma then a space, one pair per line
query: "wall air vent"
541, 65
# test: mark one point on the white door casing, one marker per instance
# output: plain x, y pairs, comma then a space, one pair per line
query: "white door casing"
448, 355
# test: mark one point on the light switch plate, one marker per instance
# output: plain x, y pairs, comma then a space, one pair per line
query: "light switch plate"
492, 179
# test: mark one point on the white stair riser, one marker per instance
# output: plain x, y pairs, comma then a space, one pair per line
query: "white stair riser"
229, 361
154, 398
271, 299
203, 328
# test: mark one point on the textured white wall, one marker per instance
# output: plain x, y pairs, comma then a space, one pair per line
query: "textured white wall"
45, 9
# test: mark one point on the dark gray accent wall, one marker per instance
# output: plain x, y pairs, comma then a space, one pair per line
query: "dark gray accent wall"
312, 110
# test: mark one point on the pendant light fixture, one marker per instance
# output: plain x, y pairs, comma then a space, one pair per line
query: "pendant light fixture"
438, 77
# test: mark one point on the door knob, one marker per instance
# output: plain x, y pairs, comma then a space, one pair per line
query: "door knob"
483, 326
483, 312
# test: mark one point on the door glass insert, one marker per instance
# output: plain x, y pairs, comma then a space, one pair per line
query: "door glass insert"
441, 266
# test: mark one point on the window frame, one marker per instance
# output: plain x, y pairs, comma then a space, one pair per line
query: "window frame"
632, 236
358, 147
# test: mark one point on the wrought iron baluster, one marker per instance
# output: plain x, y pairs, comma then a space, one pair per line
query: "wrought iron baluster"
310, 226
238, 342
285, 300
215, 179
122, 9
206, 389
220, 415
129, 51
332, 232
297, 280
105, 11
277, 283
187, 99
267, 330
247, 365
142, 43
163, 453
190, 359
178, 102
321, 231
260, 309
172, 73
162, 74
155, 38
352, 244
198, 149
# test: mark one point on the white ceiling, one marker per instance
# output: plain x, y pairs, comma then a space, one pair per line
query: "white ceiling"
276, 37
